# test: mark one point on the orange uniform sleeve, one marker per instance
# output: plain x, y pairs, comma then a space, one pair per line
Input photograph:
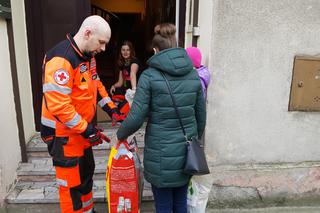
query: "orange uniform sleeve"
57, 88
104, 101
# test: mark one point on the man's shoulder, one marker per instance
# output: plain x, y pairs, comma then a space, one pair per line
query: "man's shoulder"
64, 50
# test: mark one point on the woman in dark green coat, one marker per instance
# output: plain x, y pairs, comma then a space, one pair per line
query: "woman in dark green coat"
165, 145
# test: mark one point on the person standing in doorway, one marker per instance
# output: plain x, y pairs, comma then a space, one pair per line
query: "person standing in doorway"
71, 88
125, 87
165, 145
128, 66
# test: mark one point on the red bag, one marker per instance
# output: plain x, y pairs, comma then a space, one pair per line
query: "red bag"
122, 182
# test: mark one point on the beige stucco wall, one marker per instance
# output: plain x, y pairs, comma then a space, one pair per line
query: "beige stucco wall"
205, 22
23, 68
253, 44
9, 141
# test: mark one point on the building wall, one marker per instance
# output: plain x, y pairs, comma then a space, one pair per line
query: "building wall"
23, 68
9, 142
253, 44
206, 25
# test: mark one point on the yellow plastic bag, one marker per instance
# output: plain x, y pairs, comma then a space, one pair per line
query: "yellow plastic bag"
113, 152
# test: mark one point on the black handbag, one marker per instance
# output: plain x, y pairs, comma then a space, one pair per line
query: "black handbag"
196, 163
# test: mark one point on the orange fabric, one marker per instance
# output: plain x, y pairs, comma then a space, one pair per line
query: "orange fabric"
87, 202
125, 109
66, 205
70, 175
61, 107
75, 146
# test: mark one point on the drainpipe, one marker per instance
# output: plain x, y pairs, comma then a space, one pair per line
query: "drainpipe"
177, 18
195, 28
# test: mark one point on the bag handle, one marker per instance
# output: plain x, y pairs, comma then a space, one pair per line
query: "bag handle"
174, 105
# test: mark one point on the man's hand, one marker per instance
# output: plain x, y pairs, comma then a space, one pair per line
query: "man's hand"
94, 135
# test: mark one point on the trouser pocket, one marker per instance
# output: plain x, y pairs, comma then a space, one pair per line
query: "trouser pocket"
55, 147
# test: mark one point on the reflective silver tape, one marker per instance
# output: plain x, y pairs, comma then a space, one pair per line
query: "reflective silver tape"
61, 182
104, 101
56, 88
74, 121
87, 203
48, 122
88, 211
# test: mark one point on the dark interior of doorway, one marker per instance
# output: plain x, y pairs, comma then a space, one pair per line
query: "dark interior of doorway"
49, 21
138, 30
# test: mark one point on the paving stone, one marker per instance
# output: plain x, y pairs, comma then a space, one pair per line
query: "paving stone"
31, 194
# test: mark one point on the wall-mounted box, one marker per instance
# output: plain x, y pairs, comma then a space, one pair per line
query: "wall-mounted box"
305, 85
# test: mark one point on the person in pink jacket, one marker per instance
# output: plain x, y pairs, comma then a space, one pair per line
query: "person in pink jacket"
203, 72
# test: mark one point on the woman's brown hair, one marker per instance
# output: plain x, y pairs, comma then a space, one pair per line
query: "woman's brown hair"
121, 60
165, 36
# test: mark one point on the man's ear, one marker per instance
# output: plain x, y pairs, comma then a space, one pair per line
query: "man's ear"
87, 33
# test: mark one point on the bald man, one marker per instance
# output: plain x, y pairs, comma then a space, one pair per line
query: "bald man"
71, 90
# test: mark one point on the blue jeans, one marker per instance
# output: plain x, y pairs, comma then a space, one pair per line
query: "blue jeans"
168, 200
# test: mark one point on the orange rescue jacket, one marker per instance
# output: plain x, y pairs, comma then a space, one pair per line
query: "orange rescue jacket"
70, 90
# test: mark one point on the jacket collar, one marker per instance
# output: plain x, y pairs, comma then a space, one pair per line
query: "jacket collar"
84, 56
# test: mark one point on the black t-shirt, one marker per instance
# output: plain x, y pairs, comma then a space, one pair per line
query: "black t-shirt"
126, 70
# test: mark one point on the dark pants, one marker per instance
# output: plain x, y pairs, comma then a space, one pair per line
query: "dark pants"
169, 200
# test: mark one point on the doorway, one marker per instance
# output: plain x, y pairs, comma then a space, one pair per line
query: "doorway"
49, 21
133, 20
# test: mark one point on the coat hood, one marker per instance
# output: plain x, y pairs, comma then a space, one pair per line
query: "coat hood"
173, 61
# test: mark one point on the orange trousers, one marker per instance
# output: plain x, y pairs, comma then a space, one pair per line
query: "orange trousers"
75, 183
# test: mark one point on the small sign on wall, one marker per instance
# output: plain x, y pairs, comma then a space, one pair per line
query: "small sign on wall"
5, 9
305, 85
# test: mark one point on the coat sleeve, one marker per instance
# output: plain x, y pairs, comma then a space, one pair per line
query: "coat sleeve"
139, 109
200, 110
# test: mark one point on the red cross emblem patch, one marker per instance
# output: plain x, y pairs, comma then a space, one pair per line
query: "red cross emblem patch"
61, 76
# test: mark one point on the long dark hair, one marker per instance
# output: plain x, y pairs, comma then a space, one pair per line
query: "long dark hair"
121, 60
164, 36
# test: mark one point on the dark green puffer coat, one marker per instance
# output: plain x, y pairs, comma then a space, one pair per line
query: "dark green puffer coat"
165, 146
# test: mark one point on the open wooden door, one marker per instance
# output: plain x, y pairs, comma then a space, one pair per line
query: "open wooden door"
48, 22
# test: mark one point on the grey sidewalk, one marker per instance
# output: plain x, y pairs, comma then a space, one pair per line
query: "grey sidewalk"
147, 207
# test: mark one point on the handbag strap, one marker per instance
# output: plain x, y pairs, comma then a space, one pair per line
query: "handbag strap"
174, 105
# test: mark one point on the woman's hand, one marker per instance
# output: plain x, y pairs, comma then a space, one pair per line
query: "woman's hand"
112, 89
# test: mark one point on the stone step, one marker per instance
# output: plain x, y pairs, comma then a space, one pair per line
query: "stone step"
41, 169
47, 192
37, 149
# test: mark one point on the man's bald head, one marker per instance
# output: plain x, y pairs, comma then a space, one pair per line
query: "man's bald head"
93, 34
95, 23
